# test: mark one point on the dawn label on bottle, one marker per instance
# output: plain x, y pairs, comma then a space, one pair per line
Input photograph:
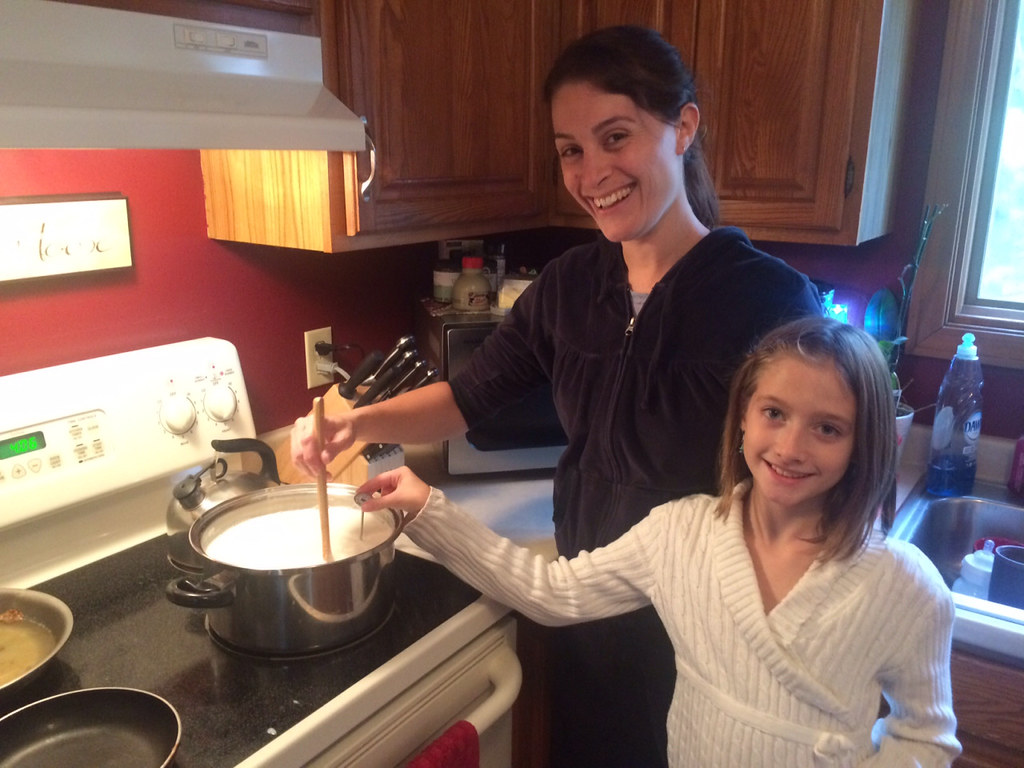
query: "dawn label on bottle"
972, 431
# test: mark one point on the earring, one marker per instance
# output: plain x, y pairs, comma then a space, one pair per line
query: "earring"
741, 443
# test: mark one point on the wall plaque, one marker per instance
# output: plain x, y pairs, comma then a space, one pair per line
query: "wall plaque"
40, 237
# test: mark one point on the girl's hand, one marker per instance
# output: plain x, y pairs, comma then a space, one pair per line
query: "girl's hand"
397, 489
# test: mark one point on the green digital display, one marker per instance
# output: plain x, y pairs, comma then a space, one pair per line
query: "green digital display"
12, 447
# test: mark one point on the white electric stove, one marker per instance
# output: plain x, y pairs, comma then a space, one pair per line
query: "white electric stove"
88, 450
89, 453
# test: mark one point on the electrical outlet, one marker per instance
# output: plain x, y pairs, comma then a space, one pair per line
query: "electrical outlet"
315, 378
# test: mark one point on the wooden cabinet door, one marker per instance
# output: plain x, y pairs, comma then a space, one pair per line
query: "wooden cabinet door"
677, 22
802, 103
451, 93
450, 90
988, 700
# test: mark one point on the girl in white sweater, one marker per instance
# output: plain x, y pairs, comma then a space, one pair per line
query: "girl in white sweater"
789, 611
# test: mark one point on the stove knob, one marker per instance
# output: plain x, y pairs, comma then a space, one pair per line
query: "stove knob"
177, 414
220, 403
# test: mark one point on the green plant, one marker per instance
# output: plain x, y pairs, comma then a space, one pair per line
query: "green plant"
890, 351
886, 318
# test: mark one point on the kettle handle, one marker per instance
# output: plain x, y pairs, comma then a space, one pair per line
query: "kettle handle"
268, 468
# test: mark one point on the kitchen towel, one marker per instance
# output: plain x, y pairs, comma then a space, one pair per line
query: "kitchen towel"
458, 747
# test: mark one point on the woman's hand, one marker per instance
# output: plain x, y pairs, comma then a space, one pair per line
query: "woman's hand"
338, 434
397, 489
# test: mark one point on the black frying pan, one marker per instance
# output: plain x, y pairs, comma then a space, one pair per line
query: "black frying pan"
91, 728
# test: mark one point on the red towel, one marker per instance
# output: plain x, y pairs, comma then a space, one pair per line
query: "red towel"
458, 747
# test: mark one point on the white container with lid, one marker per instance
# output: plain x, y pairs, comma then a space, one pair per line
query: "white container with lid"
472, 290
976, 572
446, 272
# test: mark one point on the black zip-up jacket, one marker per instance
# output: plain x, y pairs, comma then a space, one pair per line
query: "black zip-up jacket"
642, 399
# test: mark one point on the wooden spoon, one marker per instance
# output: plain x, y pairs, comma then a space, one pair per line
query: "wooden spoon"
321, 479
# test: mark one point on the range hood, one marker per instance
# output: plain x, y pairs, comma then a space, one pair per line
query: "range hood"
74, 76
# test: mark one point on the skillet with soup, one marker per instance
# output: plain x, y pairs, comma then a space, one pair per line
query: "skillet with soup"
33, 627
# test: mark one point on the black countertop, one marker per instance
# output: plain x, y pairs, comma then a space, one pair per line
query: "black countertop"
127, 634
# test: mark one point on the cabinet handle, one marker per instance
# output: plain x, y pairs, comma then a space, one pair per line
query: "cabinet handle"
364, 188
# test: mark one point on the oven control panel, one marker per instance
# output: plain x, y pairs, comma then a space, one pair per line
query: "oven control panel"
81, 430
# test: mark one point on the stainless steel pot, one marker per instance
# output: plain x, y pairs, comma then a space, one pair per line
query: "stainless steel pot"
266, 587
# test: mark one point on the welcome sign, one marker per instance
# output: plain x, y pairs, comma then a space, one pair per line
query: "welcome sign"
41, 237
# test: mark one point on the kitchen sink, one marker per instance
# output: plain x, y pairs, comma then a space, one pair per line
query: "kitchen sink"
945, 530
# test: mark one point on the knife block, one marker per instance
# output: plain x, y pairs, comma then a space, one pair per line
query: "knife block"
376, 458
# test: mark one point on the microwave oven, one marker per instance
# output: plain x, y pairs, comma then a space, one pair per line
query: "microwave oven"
521, 436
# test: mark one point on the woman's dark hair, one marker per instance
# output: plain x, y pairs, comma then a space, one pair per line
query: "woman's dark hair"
637, 62
865, 491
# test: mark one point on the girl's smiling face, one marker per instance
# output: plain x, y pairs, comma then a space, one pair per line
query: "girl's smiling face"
622, 165
798, 434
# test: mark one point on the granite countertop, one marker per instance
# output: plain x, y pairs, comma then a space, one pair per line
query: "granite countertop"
516, 505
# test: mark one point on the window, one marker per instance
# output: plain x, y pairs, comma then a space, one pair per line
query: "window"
972, 274
998, 278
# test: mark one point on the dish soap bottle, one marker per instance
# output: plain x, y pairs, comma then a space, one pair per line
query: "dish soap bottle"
471, 292
953, 458
976, 572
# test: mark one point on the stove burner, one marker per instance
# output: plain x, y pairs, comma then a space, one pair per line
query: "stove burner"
249, 653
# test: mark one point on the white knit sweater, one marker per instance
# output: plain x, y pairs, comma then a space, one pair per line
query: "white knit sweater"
799, 687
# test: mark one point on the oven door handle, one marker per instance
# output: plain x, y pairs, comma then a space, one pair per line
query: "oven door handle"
506, 676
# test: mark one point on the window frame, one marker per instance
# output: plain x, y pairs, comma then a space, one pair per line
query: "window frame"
977, 34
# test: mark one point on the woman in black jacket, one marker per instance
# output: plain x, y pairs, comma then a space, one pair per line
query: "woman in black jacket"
638, 334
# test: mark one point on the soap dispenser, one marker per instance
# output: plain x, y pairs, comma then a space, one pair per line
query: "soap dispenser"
956, 429
976, 571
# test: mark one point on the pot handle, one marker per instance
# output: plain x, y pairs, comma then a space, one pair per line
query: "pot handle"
268, 469
185, 592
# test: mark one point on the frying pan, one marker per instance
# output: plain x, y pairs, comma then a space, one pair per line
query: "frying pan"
91, 728
45, 610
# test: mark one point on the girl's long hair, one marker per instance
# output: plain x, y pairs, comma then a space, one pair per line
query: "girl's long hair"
866, 490
637, 62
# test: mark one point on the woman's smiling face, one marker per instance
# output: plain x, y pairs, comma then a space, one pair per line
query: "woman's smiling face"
622, 165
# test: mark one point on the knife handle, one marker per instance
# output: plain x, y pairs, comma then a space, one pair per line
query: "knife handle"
402, 346
429, 378
383, 382
370, 363
404, 383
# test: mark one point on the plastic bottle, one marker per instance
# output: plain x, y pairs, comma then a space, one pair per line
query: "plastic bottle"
976, 572
471, 292
953, 459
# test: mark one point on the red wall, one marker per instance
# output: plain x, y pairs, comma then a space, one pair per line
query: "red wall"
183, 285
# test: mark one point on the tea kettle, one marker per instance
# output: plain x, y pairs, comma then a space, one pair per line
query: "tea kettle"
205, 489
